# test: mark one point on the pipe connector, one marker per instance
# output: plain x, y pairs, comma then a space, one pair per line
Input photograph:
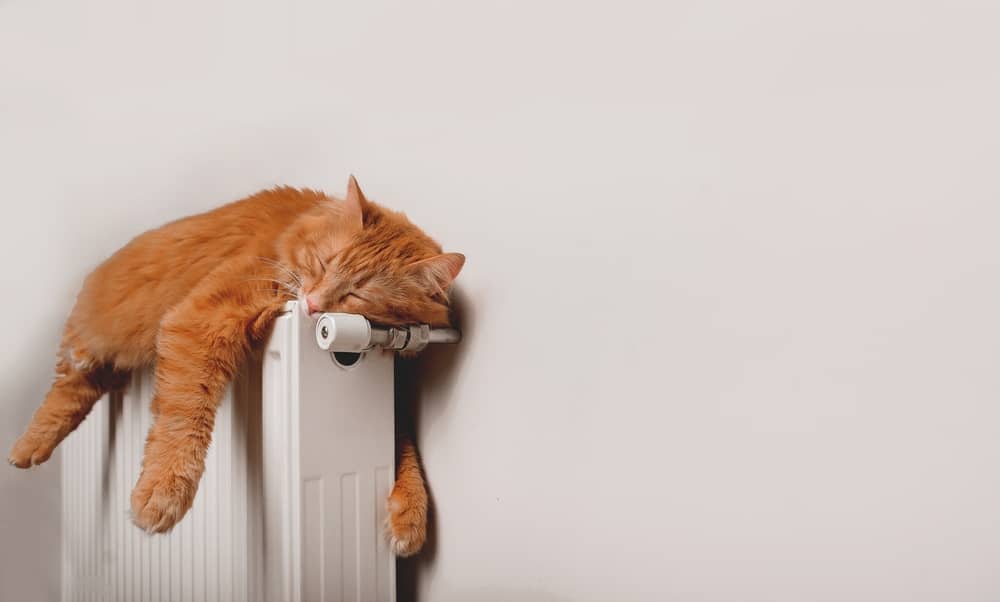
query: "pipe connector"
353, 333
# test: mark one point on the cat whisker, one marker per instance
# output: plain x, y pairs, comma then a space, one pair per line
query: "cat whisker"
283, 286
291, 275
287, 271
274, 280
283, 267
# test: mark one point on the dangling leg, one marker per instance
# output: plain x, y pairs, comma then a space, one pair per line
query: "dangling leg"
201, 344
407, 504
78, 385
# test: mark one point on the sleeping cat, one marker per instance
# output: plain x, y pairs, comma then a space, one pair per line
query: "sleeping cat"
194, 297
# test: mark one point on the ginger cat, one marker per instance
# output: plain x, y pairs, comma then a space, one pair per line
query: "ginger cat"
195, 295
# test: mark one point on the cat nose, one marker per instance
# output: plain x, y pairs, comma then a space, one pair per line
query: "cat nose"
311, 305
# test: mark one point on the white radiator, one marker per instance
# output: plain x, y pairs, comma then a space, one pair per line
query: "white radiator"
291, 504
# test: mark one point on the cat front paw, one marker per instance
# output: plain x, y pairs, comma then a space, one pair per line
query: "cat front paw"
31, 450
160, 500
406, 523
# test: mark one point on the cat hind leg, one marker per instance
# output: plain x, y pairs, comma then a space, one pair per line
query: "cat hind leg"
406, 523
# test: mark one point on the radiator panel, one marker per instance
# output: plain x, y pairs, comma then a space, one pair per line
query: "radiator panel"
268, 522
105, 557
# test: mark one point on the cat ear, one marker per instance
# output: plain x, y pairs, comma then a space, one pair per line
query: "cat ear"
355, 202
347, 215
441, 270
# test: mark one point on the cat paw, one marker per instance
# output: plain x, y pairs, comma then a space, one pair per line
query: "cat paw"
406, 523
31, 450
160, 500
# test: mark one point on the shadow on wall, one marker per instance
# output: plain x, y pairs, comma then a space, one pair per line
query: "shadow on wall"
433, 371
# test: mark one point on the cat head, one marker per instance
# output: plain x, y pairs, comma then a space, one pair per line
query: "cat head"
354, 256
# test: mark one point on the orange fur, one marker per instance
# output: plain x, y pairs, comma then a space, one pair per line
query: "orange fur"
195, 295
407, 518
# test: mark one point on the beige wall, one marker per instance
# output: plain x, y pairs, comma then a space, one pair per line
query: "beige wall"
732, 284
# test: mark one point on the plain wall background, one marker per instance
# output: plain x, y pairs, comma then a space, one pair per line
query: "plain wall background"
731, 297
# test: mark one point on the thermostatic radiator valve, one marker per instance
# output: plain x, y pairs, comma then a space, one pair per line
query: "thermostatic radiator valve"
354, 333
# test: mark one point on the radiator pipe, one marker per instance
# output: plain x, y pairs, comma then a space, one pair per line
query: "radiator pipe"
354, 333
